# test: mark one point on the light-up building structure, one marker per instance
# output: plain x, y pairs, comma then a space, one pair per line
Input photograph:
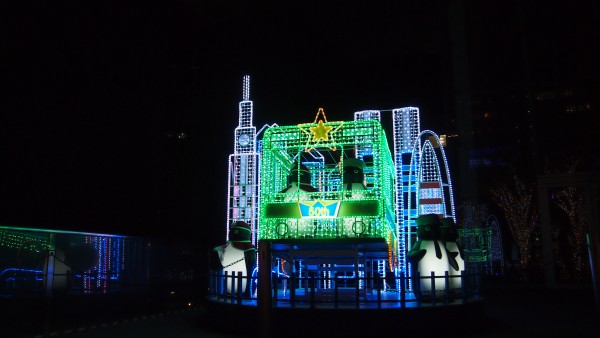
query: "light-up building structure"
345, 238
242, 192
37, 262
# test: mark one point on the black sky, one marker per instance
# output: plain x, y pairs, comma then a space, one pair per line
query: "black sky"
99, 91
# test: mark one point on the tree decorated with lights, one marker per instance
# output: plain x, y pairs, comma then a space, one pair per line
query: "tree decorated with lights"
517, 203
570, 200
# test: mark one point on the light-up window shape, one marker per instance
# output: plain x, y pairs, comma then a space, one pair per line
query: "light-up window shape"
431, 199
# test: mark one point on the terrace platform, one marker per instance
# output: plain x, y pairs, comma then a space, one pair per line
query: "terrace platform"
318, 302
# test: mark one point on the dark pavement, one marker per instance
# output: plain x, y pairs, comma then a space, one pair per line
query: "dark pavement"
508, 310
531, 311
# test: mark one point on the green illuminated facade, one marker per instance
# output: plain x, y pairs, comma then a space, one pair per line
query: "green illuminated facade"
331, 209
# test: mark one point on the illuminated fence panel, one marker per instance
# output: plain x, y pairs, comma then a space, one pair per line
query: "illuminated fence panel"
15, 239
83, 263
111, 262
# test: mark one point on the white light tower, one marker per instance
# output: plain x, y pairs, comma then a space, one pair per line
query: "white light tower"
407, 126
361, 149
242, 190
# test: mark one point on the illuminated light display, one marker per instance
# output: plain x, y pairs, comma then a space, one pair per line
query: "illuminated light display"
455, 253
429, 255
369, 211
406, 128
495, 263
111, 261
320, 134
482, 245
433, 183
242, 192
34, 238
319, 209
367, 115
14, 274
430, 199
302, 192
77, 261
237, 259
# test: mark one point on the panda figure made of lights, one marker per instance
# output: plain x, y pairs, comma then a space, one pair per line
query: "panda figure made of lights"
298, 189
353, 186
456, 257
298, 183
428, 255
235, 257
353, 174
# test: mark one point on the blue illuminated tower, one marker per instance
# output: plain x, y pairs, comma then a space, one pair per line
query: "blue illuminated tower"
242, 192
365, 152
406, 124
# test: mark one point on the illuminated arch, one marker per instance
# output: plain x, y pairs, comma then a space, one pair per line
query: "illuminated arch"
425, 163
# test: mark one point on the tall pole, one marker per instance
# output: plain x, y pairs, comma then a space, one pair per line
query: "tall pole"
48, 283
264, 288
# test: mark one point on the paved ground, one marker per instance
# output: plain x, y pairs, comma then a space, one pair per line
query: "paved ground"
530, 311
506, 311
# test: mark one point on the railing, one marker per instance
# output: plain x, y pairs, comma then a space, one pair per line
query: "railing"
358, 292
15, 282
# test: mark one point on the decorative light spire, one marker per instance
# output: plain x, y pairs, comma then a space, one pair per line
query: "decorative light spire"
246, 88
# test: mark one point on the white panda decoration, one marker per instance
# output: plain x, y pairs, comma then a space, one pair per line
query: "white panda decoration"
353, 184
429, 255
353, 175
299, 180
456, 257
298, 189
238, 255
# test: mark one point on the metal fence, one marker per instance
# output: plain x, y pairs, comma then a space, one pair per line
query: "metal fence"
359, 292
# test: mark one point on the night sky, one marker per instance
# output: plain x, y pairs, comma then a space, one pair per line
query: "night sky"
119, 115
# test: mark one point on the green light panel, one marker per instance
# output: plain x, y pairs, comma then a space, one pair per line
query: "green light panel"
362, 213
16, 239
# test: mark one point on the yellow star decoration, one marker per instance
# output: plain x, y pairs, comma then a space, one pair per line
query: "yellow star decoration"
319, 133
